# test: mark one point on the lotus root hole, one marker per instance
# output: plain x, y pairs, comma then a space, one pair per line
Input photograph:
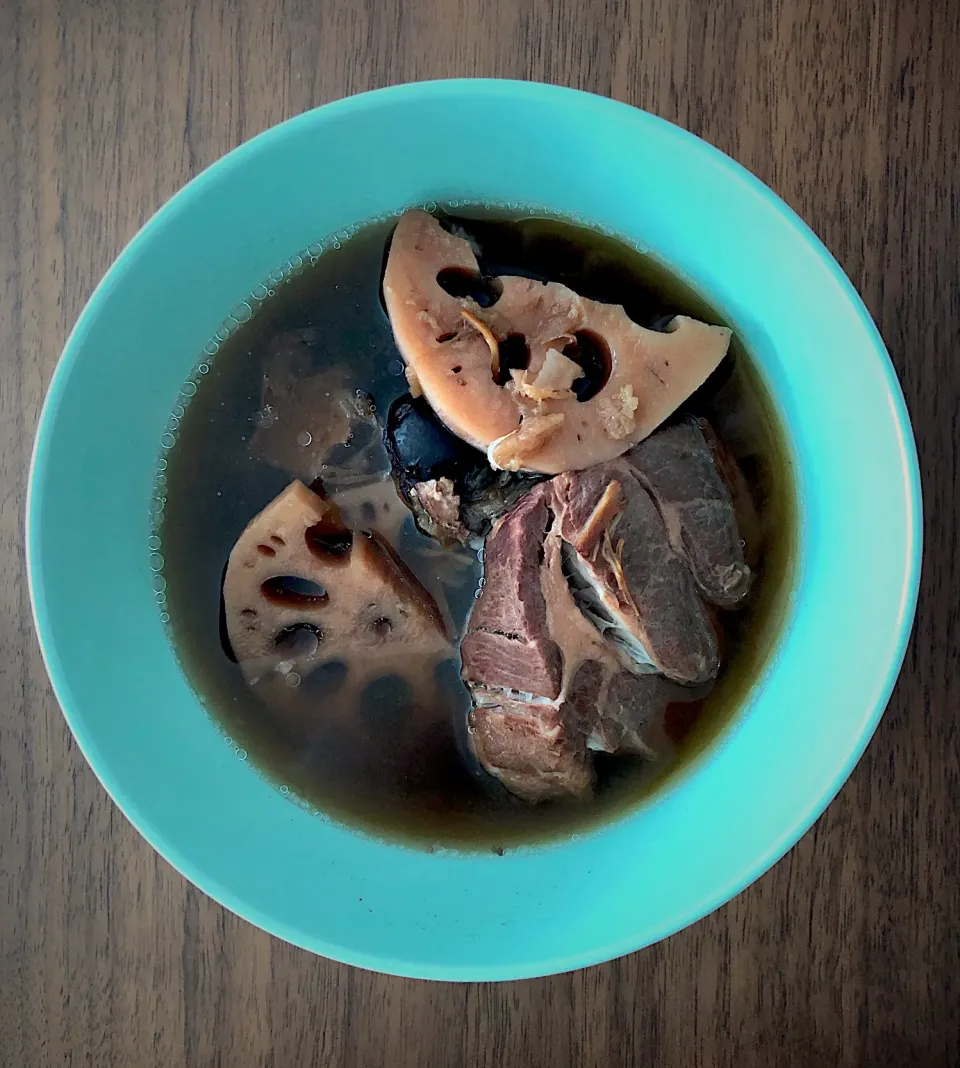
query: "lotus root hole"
591, 352
328, 543
291, 591
300, 640
462, 284
514, 356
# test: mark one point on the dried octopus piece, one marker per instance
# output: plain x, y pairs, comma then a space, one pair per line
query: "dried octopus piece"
439, 509
304, 413
461, 494
302, 590
455, 348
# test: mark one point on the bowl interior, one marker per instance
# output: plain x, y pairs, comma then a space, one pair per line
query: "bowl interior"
532, 911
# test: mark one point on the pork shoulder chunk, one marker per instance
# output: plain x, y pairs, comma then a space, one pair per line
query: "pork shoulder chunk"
619, 711
628, 576
508, 644
532, 748
678, 467
592, 619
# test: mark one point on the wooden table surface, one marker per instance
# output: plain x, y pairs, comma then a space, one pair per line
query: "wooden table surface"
848, 952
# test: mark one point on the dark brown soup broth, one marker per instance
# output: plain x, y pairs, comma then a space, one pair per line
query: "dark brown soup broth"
390, 765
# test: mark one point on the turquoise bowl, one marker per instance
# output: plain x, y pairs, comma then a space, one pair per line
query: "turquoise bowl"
448, 915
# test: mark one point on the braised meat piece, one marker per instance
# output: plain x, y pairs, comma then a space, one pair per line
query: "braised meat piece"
592, 613
627, 575
547, 685
619, 711
677, 466
508, 644
531, 747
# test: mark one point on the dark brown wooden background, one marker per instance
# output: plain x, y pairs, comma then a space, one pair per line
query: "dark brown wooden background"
848, 952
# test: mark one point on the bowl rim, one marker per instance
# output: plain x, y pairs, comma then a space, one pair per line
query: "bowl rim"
910, 581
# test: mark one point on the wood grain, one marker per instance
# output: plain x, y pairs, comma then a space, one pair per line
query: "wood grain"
848, 952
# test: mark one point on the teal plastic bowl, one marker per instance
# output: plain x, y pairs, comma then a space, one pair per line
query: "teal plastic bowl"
533, 911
